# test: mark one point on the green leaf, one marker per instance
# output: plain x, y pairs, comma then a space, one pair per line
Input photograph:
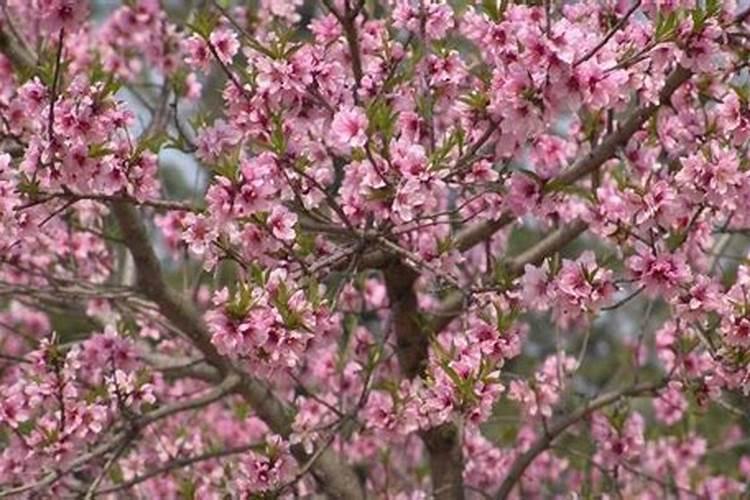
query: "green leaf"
476, 100
495, 9
676, 239
28, 186
713, 7
455, 378
200, 120
382, 118
313, 292
306, 242
187, 489
533, 175
242, 302
179, 81
242, 410
666, 26
699, 19
95, 393
258, 47
203, 23
257, 276
382, 194
115, 473
455, 140
444, 245
278, 136
579, 191
502, 275
350, 323
229, 165
152, 143
506, 320
25, 428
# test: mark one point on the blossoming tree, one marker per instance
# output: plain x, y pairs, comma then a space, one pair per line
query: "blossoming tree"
434, 249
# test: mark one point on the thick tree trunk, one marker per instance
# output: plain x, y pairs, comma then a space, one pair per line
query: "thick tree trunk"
443, 442
446, 461
411, 342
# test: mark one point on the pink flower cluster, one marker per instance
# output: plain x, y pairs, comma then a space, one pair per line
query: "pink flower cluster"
580, 288
395, 249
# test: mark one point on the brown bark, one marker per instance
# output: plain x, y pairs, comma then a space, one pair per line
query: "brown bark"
335, 477
558, 427
412, 344
446, 461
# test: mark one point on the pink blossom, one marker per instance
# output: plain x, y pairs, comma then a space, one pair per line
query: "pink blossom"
405, 249
349, 128
282, 224
618, 444
62, 14
225, 43
198, 53
659, 271
671, 404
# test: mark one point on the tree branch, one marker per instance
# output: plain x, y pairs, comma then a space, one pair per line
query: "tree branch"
332, 474
608, 147
543, 443
178, 464
454, 303
124, 437
606, 150
620, 24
